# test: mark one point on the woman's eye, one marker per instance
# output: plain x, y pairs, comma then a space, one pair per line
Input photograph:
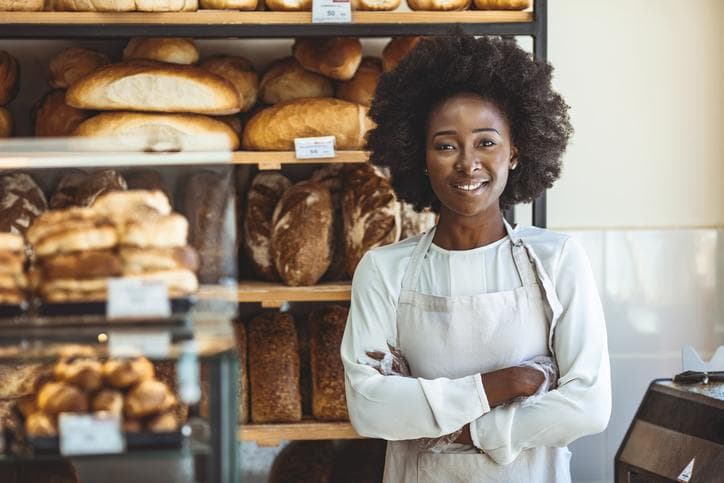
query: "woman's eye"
486, 143
445, 147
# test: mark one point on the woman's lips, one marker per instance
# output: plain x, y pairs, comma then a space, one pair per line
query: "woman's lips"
471, 186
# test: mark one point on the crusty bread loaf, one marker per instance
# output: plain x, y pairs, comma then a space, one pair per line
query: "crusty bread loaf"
286, 79
240, 72
434, 5
82, 189
145, 85
302, 231
361, 88
233, 121
126, 5
375, 4
9, 77
21, 201
305, 372
242, 349
21, 5
157, 127
335, 57
73, 63
6, 123
229, 4
326, 327
274, 128
396, 49
415, 222
371, 214
18, 380
172, 50
288, 5
304, 462
332, 177
108, 400
274, 369
265, 191
53, 117
502, 4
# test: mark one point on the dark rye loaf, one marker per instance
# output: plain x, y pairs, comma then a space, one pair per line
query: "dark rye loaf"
21, 201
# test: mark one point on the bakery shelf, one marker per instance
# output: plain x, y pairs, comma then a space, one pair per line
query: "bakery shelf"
274, 295
275, 159
273, 434
221, 23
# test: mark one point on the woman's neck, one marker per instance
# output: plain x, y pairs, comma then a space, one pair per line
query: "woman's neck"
455, 232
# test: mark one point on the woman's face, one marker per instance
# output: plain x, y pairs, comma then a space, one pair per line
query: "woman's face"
469, 154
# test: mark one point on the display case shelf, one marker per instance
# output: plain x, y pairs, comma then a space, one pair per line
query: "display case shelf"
274, 295
273, 434
275, 159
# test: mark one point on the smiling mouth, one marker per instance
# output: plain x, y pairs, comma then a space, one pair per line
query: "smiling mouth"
472, 185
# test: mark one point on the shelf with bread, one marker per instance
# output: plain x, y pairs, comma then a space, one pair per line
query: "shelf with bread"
273, 295
306, 430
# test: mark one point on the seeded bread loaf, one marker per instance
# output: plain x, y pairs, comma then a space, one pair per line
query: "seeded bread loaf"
326, 327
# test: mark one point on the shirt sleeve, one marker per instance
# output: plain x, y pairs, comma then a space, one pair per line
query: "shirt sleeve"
581, 404
393, 407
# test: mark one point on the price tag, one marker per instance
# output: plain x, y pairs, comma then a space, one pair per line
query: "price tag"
133, 298
331, 11
312, 148
154, 344
83, 434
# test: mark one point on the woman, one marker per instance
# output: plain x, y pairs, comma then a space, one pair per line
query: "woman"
477, 309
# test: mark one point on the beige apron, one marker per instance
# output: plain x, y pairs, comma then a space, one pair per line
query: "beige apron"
458, 336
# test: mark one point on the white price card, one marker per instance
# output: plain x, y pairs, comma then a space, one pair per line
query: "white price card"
97, 433
154, 344
132, 298
312, 148
331, 11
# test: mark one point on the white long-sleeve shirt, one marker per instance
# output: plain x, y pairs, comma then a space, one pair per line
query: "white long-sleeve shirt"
396, 408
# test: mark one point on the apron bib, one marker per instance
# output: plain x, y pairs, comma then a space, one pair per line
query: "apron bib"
457, 336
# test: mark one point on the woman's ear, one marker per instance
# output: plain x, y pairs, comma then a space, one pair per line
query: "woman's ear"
513, 157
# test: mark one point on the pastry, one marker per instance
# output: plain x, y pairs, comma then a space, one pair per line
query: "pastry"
435, 5
86, 374
131, 205
148, 398
39, 424
163, 423
143, 260
108, 400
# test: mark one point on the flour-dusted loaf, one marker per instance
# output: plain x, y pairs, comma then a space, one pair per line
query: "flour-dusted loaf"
335, 57
332, 176
302, 233
415, 222
274, 369
240, 72
9, 77
172, 50
435, 5
286, 79
145, 85
274, 128
326, 327
396, 49
371, 214
6, 123
21, 5
375, 4
73, 63
229, 4
265, 191
502, 4
288, 5
242, 349
81, 189
125, 5
305, 462
157, 127
21, 201
361, 88
53, 117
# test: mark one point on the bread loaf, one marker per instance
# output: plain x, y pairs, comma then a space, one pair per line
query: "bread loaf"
274, 369
86, 374
304, 462
229, 4
396, 49
6, 123
157, 127
143, 260
53, 117
274, 128
18, 380
144, 85
361, 88
371, 214
502, 4
132, 205
172, 50
38, 425
240, 72
21, 201
167, 231
9, 77
265, 191
233, 121
332, 177
415, 222
57, 397
301, 324
286, 79
108, 400
302, 224
123, 373
148, 398
288, 5
242, 349
126, 5
81, 189
375, 4
21, 5
335, 57
72, 64
326, 327
438, 4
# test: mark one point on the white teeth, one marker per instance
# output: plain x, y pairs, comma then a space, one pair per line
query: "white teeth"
471, 186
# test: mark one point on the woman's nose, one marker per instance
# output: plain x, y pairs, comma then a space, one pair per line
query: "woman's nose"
469, 162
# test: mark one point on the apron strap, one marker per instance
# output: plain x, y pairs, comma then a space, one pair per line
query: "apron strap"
409, 281
522, 260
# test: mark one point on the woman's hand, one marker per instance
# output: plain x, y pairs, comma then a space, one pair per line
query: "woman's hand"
506, 384
391, 363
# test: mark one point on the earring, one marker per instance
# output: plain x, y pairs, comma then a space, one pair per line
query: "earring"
513, 166
427, 173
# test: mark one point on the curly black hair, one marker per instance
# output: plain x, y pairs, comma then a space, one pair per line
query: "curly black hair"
456, 63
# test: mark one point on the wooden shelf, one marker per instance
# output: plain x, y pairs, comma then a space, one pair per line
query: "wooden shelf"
273, 295
273, 434
275, 159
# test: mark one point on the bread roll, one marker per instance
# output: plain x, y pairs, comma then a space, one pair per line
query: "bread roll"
144, 85
302, 224
157, 127
39, 425
163, 423
126, 5
502, 4
274, 128
73, 63
229, 4
304, 462
435, 5
9, 77
147, 398
335, 57
57, 397
59, 222
53, 117
326, 327
371, 214
158, 232
265, 191
86, 374
274, 369
82, 265
21, 5
286, 79
240, 72
108, 400
361, 88
173, 50
123, 373
6, 123
375, 4
396, 49
288, 5
415, 222
21, 202
179, 283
